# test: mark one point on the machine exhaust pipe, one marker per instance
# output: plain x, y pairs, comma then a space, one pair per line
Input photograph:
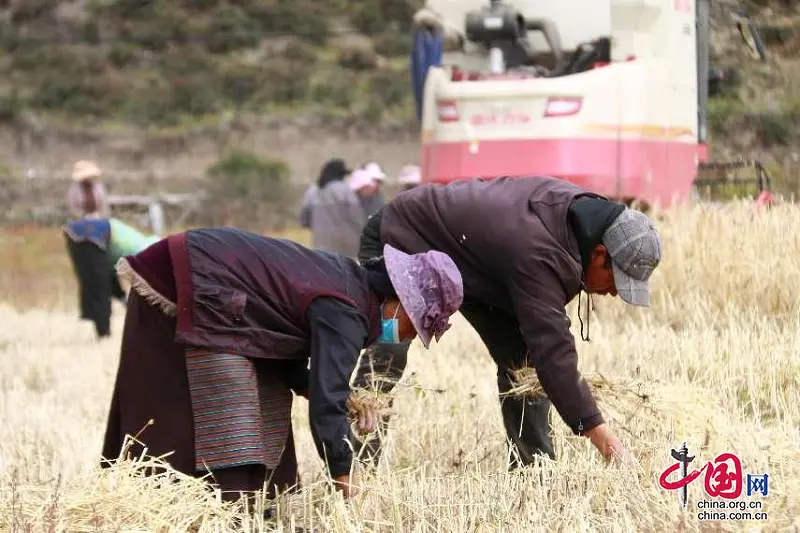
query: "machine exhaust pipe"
550, 32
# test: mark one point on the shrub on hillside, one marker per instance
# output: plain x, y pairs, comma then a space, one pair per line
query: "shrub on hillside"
193, 95
29, 10
337, 89
770, 128
371, 17
239, 83
281, 75
307, 19
389, 86
295, 49
89, 32
401, 12
67, 61
356, 52
153, 99
149, 100
393, 44
166, 24
97, 96
723, 111
775, 129
367, 17
201, 5
244, 190
124, 9
74, 79
122, 54
187, 60
10, 38
231, 28
192, 78
10, 106
784, 38
285, 81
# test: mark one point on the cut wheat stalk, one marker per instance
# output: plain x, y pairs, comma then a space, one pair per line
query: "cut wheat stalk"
624, 401
364, 399
526, 384
376, 398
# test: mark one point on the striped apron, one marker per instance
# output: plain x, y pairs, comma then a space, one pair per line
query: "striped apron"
241, 410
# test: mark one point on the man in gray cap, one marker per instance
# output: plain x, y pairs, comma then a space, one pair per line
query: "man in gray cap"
525, 248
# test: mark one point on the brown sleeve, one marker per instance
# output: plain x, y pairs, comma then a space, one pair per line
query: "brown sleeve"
539, 299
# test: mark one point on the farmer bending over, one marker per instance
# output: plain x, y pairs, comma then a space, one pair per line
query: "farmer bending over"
525, 248
94, 245
220, 327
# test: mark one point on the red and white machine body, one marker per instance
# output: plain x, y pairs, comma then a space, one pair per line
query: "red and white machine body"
627, 127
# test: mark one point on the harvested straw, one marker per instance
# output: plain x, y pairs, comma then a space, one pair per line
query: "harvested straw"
365, 399
635, 405
526, 384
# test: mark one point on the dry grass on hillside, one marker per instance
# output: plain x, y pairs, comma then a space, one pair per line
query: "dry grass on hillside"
720, 341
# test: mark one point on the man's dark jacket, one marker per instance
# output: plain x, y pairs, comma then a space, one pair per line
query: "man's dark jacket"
516, 250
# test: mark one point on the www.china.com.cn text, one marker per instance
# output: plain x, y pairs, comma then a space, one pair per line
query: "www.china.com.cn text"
731, 510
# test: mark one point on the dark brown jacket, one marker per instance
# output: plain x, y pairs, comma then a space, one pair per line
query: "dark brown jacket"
516, 250
241, 292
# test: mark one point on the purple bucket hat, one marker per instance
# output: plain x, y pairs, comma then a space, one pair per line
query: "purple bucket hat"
429, 287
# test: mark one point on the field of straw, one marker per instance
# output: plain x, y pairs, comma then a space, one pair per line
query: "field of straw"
716, 355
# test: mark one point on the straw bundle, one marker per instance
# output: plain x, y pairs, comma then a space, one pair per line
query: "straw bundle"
636, 405
364, 399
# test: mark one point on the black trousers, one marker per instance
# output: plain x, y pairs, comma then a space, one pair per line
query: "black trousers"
526, 422
97, 283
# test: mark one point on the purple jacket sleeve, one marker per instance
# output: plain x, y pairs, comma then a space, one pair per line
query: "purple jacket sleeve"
539, 300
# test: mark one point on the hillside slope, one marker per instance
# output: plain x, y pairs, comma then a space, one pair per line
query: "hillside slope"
161, 62
139, 81
757, 113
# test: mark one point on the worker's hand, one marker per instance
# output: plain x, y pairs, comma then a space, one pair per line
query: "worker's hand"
610, 446
346, 485
620, 456
366, 414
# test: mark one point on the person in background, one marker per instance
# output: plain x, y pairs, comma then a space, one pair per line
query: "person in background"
87, 195
332, 211
304, 214
390, 358
94, 247
526, 247
368, 186
409, 178
220, 329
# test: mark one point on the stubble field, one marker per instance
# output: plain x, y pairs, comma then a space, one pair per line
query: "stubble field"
716, 357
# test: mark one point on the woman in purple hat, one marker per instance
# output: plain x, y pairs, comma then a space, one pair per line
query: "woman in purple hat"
220, 328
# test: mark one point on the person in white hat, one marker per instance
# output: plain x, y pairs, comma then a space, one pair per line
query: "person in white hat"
86, 197
366, 182
409, 178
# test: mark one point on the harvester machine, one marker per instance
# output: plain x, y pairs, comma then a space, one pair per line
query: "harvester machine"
609, 94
